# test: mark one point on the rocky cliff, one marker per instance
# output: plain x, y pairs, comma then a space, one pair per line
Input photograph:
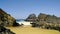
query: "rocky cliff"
6, 19
48, 18
45, 21
44, 17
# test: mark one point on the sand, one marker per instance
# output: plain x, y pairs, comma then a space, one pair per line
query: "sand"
31, 30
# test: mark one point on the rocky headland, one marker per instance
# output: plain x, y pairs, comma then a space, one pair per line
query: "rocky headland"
44, 21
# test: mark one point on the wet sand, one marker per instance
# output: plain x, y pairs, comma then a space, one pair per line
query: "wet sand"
31, 30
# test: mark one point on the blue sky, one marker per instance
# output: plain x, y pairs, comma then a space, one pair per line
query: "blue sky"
20, 9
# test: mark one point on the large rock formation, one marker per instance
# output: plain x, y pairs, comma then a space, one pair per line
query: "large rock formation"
48, 18
31, 17
6, 19
41, 16
46, 21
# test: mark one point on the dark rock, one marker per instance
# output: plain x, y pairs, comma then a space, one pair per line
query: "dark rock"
3, 30
16, 24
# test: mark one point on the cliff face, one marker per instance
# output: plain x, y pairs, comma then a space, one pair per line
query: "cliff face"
44, 17
6, 19
49, 18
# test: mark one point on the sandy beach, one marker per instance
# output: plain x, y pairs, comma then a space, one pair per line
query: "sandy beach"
31, 30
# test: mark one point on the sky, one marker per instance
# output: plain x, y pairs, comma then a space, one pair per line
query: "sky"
21, 9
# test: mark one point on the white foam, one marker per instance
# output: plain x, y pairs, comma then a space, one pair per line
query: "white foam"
24, 22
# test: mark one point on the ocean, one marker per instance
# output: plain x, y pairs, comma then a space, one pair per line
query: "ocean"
18, 20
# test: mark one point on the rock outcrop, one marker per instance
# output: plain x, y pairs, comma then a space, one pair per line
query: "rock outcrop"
46, 21
31, 17
3, 30
6, 19
49, 18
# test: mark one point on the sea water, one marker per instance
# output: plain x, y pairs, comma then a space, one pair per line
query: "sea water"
19, 20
